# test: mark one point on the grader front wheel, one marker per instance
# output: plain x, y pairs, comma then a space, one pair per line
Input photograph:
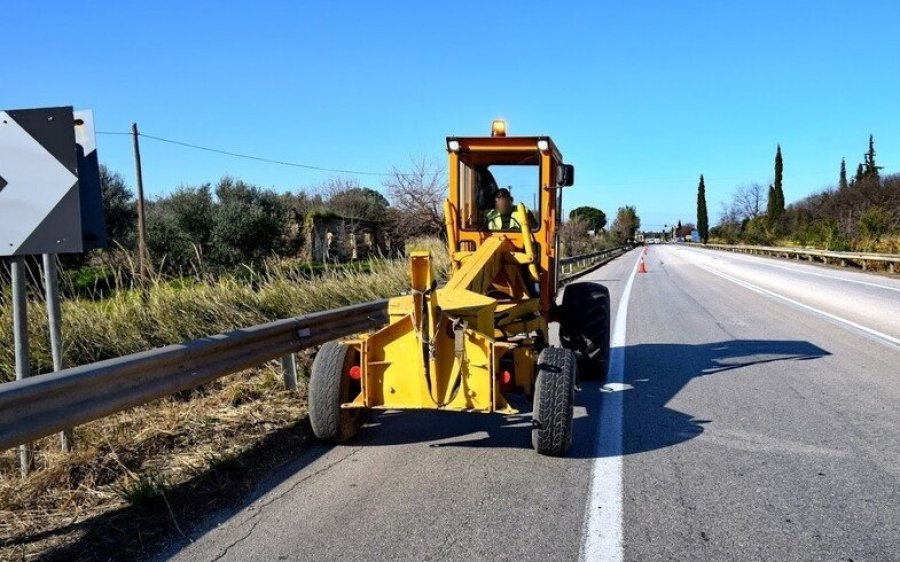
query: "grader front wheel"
330, 385
554, 398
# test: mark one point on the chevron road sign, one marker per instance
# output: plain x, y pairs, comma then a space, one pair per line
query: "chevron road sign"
40, 210
93, 223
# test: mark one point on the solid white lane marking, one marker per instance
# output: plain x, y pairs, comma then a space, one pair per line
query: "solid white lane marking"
803, 269
878, 336
602, 540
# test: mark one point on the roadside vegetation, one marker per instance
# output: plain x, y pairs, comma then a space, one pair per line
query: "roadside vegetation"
585, 231
179, 309
858, 213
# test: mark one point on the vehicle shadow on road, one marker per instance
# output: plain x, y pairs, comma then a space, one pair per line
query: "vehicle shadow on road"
655, 373
439, 429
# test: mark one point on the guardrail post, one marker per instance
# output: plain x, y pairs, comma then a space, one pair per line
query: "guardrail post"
289, 371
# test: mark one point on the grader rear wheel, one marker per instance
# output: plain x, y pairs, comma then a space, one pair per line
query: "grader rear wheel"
330, 385
585, 327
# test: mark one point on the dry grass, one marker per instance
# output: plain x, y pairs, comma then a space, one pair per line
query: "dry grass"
884, 245
143, 474
133, 460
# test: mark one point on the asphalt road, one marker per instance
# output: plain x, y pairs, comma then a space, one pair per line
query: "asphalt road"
753, 415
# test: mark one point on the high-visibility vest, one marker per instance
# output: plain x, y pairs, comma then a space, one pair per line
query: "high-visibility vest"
495, 221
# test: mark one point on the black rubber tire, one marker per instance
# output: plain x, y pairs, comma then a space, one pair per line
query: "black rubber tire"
585, 326
554, 400
329, 386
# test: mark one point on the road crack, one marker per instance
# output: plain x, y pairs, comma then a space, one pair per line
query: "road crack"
254, 519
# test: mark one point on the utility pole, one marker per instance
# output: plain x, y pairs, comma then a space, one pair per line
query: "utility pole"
142, 226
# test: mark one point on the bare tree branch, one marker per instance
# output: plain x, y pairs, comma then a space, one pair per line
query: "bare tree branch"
417, 196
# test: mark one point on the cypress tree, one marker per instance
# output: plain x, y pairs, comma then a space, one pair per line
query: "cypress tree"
779, 190
702, 217
843, 181
871, 169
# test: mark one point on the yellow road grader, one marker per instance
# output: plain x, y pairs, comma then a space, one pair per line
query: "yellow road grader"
484, 335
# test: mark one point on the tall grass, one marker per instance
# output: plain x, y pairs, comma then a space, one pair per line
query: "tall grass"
189, 308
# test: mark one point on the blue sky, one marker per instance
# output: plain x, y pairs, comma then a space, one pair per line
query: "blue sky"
642, 97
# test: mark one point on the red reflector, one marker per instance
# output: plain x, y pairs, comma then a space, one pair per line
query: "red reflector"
355, 372
506, 377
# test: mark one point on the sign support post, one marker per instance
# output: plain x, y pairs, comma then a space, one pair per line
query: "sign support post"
51, 293
20, 337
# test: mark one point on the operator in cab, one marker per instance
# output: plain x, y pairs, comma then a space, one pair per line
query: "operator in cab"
501, 216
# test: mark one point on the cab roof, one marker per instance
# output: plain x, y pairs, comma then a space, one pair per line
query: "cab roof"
504, 144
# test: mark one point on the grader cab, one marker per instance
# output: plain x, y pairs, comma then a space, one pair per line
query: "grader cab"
469, 345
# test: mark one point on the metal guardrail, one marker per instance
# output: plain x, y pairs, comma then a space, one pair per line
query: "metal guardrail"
39, 406
42, 405
843, 259
570, 268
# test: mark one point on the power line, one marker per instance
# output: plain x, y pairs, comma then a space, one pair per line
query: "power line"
387, 174
252, 157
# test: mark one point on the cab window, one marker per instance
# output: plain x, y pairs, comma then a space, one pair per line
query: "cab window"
481, 178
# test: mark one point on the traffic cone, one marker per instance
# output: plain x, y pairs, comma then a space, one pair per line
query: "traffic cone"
643, 267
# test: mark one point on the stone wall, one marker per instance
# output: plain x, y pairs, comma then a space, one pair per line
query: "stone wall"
332, 238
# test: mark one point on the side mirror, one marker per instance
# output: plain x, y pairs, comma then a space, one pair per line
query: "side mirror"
565, 175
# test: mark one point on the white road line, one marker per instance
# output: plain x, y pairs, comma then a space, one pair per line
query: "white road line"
602, 540
802, 269
878, 336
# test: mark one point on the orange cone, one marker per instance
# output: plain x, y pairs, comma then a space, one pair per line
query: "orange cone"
643, 267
